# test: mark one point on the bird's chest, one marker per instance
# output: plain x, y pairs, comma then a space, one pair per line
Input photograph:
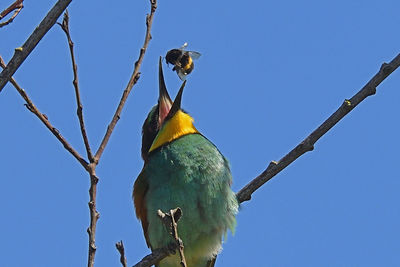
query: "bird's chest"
184, 173
178, 173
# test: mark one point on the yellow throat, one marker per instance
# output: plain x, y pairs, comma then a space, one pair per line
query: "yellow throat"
179, 125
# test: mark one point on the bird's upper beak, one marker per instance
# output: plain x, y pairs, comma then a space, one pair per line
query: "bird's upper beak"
164, 101
167, 108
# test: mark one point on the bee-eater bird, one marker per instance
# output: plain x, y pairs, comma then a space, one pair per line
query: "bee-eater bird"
182, 168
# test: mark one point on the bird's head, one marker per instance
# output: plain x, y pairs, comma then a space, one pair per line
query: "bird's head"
166, 121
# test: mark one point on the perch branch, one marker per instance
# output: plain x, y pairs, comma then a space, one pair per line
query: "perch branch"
65, 27
134, 78
16, 7
120, 247
157, 255
170, 220
308, 144
42, 117
21, 53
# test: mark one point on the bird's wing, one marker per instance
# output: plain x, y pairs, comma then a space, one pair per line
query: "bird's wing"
139, 194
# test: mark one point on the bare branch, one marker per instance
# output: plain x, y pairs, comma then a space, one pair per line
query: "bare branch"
120, 247
308, 144
65, 27
134, 78
32, 108
170, 220
16, 7
21, 53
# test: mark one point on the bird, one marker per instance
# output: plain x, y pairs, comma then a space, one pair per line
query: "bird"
182, 168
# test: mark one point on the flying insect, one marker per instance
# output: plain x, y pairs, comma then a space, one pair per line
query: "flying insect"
182, 60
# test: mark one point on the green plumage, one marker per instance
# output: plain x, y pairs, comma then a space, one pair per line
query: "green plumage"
192, 174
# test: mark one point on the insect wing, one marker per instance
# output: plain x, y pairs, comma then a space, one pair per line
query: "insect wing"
182, 75
194, 54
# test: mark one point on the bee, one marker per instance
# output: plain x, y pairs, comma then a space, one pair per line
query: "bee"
182, 60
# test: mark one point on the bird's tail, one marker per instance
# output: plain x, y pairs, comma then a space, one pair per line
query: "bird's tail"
211, 263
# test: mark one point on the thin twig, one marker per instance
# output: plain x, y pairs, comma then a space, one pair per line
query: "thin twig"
16, 7
65, 27
170, 220
21, 53
308, 144
134, 78
120, 247
32, 108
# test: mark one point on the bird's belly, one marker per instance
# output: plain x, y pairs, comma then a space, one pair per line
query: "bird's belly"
201, 235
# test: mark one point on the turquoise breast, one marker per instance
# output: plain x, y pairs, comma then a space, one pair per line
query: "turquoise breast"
192, 174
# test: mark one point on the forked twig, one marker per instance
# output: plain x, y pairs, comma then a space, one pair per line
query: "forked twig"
133, 80
170, 220
120, 247
17, 6
20, 55
308, 144
94, 214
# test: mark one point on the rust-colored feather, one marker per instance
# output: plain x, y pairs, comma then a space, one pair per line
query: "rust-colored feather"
139, 194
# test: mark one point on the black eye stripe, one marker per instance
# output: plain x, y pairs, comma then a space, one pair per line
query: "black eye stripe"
154, 120
149, 131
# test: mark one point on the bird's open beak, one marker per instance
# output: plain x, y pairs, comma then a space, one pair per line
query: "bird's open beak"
167, 109
177, 102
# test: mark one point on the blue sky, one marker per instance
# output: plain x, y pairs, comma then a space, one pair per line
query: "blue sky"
270, 73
